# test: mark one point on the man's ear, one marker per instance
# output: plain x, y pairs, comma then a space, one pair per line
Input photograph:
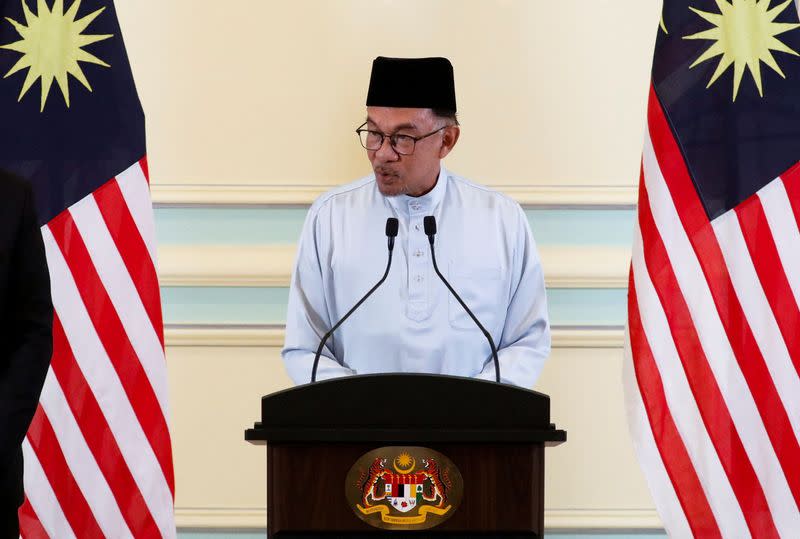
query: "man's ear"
451, 134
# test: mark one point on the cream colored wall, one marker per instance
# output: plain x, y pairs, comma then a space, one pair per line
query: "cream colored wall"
268, 93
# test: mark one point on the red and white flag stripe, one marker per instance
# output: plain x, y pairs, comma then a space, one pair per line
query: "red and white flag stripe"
98, 458
712, 362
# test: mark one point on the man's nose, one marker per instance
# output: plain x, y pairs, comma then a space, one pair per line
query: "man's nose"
386, 152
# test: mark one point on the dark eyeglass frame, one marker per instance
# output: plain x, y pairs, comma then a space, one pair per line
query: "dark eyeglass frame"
393, 139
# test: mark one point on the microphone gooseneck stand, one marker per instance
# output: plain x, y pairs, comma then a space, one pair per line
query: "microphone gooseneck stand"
391, 232
430, 231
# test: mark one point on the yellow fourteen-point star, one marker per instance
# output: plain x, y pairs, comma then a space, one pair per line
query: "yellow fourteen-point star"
744, 34
404, 463
51, 46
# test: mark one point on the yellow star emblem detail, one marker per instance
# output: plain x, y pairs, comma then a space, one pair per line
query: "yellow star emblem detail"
52, 45
744, 35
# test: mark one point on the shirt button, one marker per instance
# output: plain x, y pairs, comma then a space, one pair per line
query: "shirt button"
419, 278
416, 227
418, 253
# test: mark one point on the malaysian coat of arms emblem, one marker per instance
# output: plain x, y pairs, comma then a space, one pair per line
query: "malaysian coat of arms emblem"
406, 488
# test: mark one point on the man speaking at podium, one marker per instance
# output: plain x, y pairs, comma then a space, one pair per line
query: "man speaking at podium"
483, 246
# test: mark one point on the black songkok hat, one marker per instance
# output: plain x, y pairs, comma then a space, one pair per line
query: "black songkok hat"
425, 83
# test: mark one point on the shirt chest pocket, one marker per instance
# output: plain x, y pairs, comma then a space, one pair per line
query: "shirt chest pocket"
482, 289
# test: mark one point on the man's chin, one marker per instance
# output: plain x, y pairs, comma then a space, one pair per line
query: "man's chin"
391, 188
391, 192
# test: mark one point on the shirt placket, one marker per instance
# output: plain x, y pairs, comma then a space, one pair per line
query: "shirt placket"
418, 300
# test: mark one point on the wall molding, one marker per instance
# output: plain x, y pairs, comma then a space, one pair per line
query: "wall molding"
273, 336
271, 265
211, 517
554, 519
225, 265
585, 266
602, 519
200, 194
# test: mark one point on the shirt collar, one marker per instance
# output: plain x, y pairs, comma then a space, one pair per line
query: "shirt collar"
422, 205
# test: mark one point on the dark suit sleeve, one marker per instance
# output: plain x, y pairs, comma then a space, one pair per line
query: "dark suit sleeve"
29, 329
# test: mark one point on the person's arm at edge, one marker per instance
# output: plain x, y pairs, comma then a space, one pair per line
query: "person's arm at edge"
525, 343
307, 318
30, 327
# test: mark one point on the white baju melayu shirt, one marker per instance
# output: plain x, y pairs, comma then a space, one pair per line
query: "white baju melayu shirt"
484, 248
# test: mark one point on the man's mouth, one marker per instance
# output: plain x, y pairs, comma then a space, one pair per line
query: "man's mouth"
385, 175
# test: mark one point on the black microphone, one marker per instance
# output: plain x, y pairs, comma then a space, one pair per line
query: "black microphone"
430, 231
391, 232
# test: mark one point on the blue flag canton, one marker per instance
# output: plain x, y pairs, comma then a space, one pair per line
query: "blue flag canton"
727, 73
72, 118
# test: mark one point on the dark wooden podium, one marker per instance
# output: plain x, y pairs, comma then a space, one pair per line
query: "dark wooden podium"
495, 434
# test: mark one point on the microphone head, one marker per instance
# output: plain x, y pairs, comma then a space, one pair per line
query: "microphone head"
391, 227
430, 225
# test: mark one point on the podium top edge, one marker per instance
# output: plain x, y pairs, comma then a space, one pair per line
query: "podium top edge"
358, 379
415, 401
404, 436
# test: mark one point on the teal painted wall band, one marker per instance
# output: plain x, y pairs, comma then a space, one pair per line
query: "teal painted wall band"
233, 226
259, 226
224, 305
583, 307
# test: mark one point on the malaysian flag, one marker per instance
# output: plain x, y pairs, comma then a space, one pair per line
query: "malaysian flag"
98, 459
712, 358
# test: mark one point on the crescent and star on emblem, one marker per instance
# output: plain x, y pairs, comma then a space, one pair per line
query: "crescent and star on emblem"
404, 463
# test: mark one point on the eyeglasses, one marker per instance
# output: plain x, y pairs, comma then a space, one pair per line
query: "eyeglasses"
402, 144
